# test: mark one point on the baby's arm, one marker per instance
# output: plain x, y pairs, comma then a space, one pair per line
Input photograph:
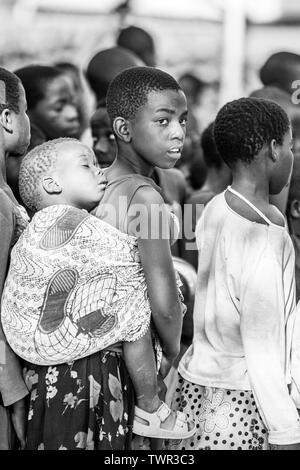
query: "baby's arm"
158, 268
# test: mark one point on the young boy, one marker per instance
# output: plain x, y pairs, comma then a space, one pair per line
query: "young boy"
86, 290
14, 140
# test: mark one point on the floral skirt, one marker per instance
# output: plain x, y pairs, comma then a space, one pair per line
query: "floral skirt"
87, 404
225, 419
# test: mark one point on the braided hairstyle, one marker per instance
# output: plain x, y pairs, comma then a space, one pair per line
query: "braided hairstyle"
244, 126
129, 90
35, 165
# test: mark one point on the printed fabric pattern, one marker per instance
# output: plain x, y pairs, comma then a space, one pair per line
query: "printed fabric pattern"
75, 286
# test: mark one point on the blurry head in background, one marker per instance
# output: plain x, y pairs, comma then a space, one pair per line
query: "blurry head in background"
104, 142
105, 65
280, 70
140, 42
51, 107
73, 73
218, 173
192, 153
193, 87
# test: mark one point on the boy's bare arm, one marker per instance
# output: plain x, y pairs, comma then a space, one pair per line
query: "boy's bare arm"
154, 248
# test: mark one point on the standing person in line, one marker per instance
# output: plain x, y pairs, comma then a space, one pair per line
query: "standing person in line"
148, 113
235, 377
14, 141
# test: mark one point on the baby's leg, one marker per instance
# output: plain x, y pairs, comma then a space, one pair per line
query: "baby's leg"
141, 365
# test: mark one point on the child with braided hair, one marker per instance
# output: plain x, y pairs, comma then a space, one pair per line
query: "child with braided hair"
235, 376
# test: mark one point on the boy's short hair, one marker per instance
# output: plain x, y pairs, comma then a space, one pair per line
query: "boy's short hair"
34, 79
243, 126
11, 88
35, 165
211, 155
129, 90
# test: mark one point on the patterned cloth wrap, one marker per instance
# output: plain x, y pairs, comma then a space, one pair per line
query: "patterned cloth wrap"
75, 286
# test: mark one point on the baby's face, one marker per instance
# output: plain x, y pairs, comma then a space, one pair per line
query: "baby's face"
79, 176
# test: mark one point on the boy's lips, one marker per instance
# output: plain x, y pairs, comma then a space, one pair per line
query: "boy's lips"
175, 152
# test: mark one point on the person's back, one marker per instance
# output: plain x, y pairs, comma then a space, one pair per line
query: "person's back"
238, 368
231, 247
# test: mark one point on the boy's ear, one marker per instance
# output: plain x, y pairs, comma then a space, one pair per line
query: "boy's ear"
50, 185
121, 129
295, 209
6, 120
273, 150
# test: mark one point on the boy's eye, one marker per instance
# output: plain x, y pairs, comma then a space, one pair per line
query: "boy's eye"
163, 121
183, 121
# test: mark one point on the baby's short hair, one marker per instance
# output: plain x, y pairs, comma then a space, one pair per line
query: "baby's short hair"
129, 90
243, 126
35, 165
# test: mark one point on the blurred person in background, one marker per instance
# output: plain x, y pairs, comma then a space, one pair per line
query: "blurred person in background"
51, 109
105, 65
83, 99
193, 88
218, 177
140, 42
281, 70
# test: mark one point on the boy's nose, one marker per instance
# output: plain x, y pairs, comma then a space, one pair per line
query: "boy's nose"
177, 132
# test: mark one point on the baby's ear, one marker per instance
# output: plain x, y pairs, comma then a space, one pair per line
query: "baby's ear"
295, 209
121, 129
50, 185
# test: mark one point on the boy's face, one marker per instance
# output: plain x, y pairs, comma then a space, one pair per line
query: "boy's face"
283, 170
104, 143
56, 113
159, 127
20, 136
79, 176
